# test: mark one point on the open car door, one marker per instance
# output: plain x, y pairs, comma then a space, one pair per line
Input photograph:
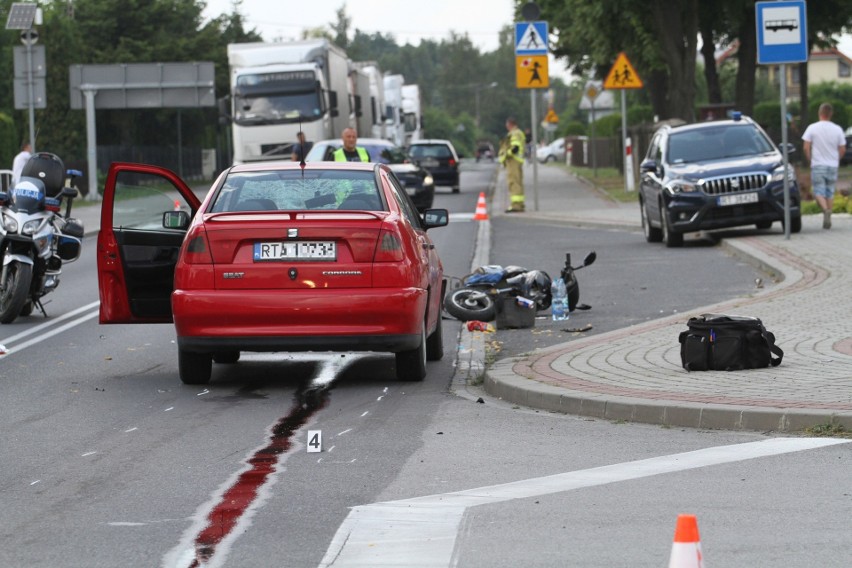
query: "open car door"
137, 253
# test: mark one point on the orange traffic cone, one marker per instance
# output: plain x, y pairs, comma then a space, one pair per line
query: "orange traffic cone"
481, 209
686, 550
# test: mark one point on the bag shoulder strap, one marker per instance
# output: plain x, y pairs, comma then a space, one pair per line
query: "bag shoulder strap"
773, 349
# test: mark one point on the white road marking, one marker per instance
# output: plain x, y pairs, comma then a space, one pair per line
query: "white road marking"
344, 432
87, 454
169, 408
394, 533
131, 430
38, 328
35, 482
365, 414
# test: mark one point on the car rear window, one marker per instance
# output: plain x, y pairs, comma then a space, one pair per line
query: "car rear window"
381, 154
430, 151
293, 190
716, 143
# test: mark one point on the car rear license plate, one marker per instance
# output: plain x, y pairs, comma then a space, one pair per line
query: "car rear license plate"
430, 163
295, 250
737, 199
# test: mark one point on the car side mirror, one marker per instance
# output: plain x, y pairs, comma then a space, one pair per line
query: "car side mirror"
648, 166
436, 218
176, 220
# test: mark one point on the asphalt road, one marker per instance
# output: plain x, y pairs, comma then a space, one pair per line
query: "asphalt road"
108, 460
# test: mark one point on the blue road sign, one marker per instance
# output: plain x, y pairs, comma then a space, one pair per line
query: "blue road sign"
530, 38
782, 32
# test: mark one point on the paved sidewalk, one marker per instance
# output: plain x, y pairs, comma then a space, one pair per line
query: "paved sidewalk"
634, 374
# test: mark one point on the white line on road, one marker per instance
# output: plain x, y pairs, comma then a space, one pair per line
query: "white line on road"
48, 335
422, 531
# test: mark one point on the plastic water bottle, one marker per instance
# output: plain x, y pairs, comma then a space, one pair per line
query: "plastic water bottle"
559, 301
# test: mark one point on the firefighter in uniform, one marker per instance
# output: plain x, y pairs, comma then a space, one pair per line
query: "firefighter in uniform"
350, 152
512, 158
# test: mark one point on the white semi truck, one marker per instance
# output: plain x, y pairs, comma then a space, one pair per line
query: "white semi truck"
372, 123
279, 88
411, 113
394, 125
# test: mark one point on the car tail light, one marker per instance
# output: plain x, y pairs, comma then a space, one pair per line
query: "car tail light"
389, 248
452, 162
197, 247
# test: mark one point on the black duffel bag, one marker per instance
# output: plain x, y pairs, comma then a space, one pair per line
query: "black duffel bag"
716, 342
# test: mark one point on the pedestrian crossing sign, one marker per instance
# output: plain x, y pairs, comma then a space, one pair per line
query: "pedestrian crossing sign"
531, 72
531, 38
622, 75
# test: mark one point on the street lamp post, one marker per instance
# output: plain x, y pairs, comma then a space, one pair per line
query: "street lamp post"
478, 88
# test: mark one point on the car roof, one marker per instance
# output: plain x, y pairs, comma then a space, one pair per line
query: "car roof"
290, 165
430, 141
709, 124
362, 141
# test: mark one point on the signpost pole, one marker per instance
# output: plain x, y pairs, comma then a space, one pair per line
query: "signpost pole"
534, 120
91, 144
31, 94
625, 155
783, 71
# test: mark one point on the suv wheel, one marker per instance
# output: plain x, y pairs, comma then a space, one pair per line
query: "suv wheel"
671, 238
795, 224
652, 234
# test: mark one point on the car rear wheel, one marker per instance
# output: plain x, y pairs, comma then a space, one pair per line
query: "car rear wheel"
672, 239
763, 225
226, 357
652, 234
194, 368
411, 364
456, 189
435, 343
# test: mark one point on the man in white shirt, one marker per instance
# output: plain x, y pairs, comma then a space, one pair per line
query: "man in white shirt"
825, 144
20, 160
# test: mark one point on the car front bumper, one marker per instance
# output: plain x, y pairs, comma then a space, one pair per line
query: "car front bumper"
690, 212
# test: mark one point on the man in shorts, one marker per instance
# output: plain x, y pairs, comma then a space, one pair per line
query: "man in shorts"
825, 144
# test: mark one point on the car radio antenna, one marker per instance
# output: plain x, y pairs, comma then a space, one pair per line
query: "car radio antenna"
301, 148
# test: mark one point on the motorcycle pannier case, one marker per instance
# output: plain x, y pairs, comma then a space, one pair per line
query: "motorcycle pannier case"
716, 342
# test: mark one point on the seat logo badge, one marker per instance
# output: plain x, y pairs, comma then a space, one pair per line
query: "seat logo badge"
292, 233
293, 273
735, 183
233, 275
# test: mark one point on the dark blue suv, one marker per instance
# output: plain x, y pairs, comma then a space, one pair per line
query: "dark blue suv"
714, 175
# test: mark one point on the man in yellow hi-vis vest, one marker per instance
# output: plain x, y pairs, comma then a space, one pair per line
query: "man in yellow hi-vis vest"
350, 152
512, 158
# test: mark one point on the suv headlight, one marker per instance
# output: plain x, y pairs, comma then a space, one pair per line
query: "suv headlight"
778, 173
681, 186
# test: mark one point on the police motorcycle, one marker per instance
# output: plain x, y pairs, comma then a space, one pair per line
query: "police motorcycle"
35, 237
475, 296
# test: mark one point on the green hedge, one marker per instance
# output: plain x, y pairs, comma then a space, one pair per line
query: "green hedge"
9, 144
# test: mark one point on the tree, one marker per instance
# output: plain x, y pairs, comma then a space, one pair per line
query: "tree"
659, 38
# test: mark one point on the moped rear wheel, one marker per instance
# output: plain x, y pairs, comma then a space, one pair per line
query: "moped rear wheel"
14, 290
468, 304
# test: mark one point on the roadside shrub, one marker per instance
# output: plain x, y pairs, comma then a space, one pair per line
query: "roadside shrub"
572, 128
608, 126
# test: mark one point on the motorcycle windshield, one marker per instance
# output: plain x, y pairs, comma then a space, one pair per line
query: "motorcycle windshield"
28, 195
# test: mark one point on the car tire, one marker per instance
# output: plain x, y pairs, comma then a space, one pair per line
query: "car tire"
796, 224
411, 364
226, 357
456, 189
763, 225
672, 239
194, 368
435, 343
550, 158
652, 234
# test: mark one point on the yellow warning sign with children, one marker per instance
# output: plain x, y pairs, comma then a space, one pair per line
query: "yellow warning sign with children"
622, 75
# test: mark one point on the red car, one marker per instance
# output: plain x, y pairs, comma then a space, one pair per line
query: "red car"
277, 257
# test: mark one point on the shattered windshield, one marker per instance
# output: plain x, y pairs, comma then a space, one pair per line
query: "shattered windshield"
293, 190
